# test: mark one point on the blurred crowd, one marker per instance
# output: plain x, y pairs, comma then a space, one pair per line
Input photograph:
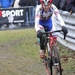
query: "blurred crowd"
27, 2
18, 3
68, 5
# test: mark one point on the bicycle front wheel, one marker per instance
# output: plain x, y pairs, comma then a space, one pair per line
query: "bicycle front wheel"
49, 60
56, 61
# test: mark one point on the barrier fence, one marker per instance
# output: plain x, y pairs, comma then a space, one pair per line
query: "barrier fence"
25, 15
70, 25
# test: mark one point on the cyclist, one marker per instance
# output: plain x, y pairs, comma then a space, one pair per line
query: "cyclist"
45, 15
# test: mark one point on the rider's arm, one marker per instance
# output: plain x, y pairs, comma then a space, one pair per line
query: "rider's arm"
60, 20
57, 15
37, 17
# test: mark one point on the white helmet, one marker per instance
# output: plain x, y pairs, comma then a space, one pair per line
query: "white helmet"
46, 2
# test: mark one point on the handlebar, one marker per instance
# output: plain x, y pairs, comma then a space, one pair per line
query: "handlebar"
55, 32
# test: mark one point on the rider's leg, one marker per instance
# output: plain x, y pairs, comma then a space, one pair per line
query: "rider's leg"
42, 41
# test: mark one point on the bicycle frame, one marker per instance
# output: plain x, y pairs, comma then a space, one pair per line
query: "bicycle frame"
53, 40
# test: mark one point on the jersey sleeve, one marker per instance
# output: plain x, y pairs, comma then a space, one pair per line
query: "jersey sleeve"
37, 17
57, 15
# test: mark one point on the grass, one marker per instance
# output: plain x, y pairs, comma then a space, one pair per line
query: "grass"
19, 54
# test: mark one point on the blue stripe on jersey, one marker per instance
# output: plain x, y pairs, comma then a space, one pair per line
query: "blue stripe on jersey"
46, 24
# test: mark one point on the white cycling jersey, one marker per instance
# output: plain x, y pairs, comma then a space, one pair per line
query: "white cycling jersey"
39, 24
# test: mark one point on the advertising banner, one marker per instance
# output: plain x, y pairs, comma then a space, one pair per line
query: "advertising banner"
12, 15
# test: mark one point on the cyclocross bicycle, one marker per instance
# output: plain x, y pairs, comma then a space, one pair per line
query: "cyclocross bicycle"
52, 54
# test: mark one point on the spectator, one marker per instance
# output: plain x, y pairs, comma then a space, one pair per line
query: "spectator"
63, 4
16, 4
29, 11
6, 3
28, 2
56, 3
70, 6
13, 3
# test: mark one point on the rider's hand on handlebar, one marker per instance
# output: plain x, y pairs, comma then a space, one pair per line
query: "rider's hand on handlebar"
65, 31
39, 34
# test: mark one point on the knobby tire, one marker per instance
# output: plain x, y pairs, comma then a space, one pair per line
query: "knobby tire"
58, 57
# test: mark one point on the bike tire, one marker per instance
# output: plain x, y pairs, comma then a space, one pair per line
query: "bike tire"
58, 58
49, 59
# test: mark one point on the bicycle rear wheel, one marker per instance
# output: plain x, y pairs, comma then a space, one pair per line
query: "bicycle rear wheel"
56, 61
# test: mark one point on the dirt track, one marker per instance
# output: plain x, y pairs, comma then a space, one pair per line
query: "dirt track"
14, 64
